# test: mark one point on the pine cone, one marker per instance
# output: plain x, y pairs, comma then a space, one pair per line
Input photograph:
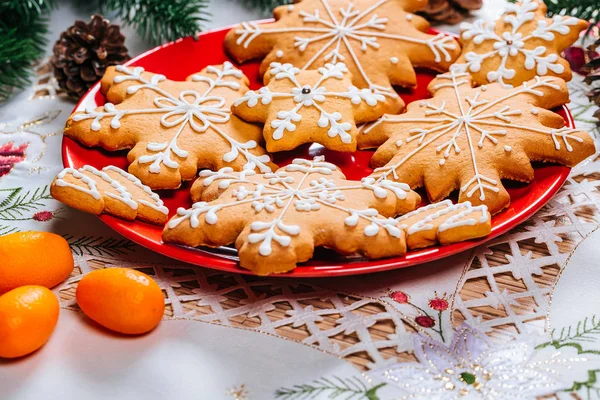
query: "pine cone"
450, 11
83, 52
593, 69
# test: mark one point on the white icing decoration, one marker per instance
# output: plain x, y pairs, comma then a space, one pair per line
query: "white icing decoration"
462, 210
310, 96
280, 192
507, 148
394, 60
510, 44
279, 53
470, 122
290, 8
91, 189
534, 111
350, 26
124, 195
199, 111
409, 17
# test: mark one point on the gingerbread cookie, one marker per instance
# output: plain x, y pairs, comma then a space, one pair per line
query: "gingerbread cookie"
379, 40
445, 223
277, 219
112, 191
300, 107
173, 128
521, 45
469, 139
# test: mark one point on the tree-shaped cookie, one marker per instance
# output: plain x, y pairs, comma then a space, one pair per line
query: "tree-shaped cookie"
379, 40
300, 107
110, 190
173, 128
521, 45
470, 138
277, 219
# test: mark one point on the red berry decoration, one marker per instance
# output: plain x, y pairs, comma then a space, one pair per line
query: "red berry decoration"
400, 297
438, 304
43, 216
425, 321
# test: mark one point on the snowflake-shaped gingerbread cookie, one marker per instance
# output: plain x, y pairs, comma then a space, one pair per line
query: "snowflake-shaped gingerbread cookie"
277, 219
470, 138
521, 45
379, 40
300, 107
173, 128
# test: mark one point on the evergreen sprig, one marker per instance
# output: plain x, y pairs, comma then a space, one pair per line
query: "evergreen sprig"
160, 21
588, 10
23, 28
99, 246
350, 388
19, 202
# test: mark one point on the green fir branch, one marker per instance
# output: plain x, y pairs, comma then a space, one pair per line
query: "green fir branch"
588, 10
570, 337
18, 202
23, 29
160, 21
350, 388
99, 246
6, 229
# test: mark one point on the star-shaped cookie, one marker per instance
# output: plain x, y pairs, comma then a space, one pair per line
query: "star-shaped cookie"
300, 107
470, 138
277, 219
521, 45
379, 40
173, 128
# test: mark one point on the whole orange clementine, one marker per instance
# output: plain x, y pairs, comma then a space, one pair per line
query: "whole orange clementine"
121, 299
28, 316
33, 258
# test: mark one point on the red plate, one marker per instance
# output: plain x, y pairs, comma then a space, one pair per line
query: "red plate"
183, 57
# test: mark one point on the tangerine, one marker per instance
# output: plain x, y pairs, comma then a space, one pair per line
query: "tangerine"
121, 299
34, 258
28, 316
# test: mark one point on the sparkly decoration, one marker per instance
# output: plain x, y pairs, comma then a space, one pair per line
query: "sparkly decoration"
472, 366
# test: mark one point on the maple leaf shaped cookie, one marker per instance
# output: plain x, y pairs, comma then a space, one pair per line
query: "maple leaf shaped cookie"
300, 107
277, 219
379, 40
173, 128
521, 45
110, 190
470, 138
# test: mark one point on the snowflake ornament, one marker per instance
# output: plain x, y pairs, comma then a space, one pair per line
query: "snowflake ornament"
470, 138
277, 219
521, 45
472, 367
300, 107
173, 128
379, 40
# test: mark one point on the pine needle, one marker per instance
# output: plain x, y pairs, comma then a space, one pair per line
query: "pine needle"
160, 21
